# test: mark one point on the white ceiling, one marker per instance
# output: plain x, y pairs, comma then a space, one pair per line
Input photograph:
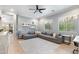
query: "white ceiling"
23, 10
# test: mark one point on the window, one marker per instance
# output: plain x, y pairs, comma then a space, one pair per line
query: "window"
68, 24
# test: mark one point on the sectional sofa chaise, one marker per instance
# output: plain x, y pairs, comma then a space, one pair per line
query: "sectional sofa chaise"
44, 35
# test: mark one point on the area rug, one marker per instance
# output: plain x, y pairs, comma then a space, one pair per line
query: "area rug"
38, 46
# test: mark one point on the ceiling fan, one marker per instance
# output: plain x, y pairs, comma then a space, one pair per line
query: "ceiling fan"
38, 9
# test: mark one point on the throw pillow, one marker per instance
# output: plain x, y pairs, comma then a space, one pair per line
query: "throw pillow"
54, 35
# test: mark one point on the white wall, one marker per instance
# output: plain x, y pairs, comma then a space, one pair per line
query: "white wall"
51, 19
7, 19
55, 21
25, 20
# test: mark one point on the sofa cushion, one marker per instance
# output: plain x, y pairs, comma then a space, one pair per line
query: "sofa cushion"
54, 35
50, 34
31, 33
46, 33
29, 36
57, 35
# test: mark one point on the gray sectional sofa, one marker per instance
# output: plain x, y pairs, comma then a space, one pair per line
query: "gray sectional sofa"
46, 36
29, 36
25, 36
58, 39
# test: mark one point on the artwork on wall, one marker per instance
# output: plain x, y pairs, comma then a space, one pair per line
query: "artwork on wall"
47, 26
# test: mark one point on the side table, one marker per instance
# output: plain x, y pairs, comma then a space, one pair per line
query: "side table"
66, 39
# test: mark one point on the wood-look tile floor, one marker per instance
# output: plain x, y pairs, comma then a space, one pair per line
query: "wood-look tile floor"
16, 48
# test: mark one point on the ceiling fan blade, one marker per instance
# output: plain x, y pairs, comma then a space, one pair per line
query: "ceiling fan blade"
42, 9
32, 9
34, 12
40, 12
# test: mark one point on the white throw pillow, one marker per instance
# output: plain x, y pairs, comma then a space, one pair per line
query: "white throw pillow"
54, 35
